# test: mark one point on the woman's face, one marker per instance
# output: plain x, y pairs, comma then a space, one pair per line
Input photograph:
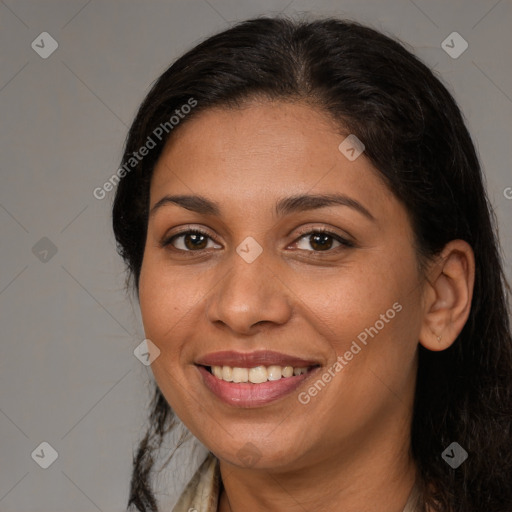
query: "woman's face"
259, 290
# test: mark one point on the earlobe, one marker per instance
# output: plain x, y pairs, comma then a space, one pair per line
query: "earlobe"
448, 296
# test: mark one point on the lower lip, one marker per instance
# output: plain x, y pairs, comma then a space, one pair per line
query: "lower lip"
246, 394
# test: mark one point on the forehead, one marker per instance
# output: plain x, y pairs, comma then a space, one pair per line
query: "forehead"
261, 151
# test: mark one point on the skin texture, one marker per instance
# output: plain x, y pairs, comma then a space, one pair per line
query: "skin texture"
348, 448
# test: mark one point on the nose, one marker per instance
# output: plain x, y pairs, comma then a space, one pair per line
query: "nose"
250, 294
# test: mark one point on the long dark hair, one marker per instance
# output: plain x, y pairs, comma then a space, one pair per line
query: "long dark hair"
415, 136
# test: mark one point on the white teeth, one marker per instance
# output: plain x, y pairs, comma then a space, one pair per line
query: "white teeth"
256, 375
287, 371
274, 373
227, 373
217, 371
240, 374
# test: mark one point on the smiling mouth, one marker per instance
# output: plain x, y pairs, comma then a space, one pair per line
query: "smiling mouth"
254, 379
257, 374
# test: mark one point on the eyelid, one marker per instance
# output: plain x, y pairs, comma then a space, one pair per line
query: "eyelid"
184, 230
333, 251
308, 230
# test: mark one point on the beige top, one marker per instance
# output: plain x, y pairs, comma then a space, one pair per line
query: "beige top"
202, 492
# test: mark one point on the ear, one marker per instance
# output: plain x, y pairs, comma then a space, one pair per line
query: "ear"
448, 295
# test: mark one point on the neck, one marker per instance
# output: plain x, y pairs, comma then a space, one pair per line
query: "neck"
377, 476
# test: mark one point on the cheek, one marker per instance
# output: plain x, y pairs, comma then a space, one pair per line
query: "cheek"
164, 307
164, 296
162, 304
372, 311
171, 303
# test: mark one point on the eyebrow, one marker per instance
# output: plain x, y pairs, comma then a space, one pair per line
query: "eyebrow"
284, 206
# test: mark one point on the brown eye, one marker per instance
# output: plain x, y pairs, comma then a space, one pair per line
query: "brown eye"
322, 241
189, 241
195, 241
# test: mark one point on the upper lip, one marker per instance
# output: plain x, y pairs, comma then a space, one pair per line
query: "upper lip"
253, 359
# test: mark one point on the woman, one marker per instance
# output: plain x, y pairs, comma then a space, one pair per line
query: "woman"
302, 212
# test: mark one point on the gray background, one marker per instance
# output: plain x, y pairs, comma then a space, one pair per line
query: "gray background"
68, 375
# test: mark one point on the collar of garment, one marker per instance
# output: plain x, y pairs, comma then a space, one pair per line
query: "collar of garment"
202, 492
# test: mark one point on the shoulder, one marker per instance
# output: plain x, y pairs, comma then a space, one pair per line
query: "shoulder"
202, 491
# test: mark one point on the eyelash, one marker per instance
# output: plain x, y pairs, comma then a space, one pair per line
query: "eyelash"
196, 231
